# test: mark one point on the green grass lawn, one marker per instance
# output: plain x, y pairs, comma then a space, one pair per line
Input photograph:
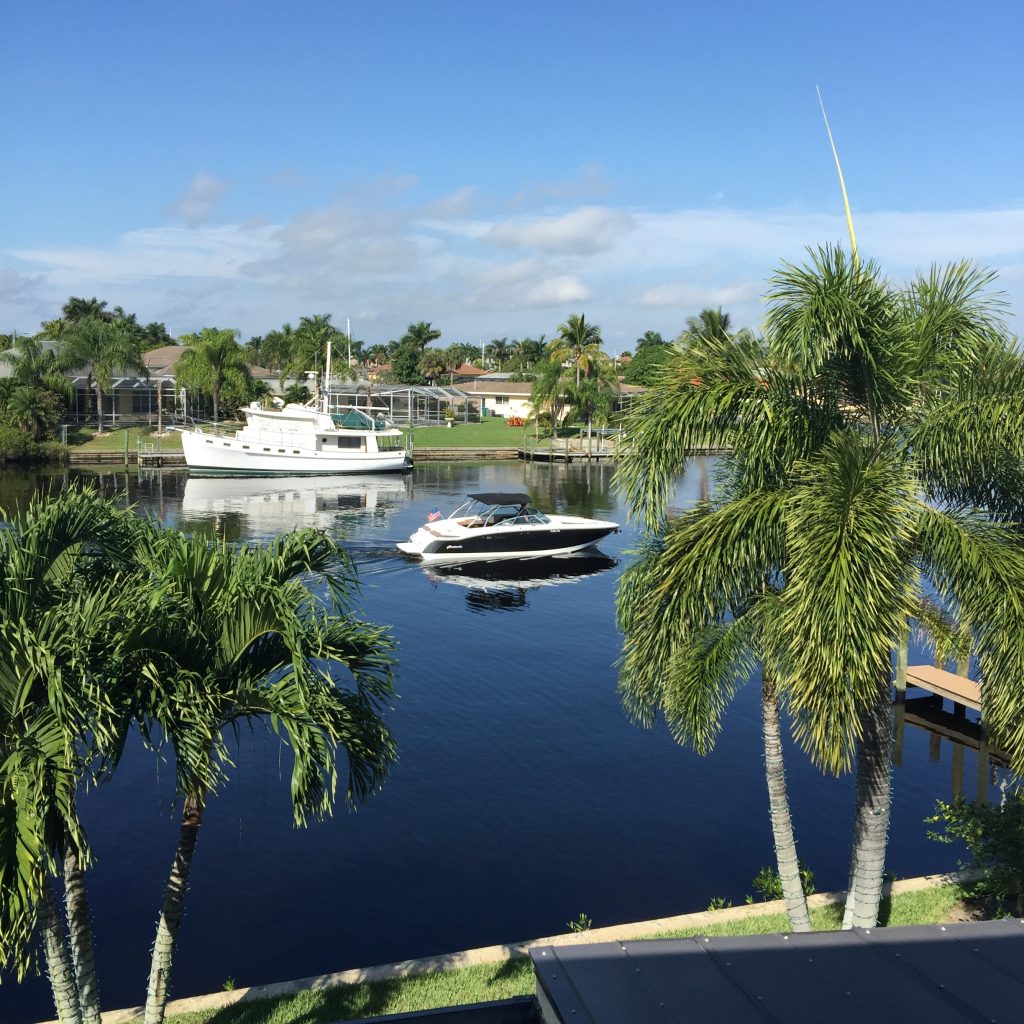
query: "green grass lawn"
515, 977
490, 432
84, 439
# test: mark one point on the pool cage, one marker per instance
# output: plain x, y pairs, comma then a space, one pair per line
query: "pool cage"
406, 404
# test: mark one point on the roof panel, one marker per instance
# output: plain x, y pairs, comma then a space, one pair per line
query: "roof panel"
939, 974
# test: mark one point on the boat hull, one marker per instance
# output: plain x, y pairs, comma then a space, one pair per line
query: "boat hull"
213, 453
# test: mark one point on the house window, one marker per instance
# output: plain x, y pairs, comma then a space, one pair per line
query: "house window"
143, 400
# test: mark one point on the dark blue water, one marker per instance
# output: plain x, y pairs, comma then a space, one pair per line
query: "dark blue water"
523, 796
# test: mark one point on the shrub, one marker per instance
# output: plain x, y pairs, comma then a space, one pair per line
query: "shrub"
15, 445
515, 421
52, 451
994, 836
768, 883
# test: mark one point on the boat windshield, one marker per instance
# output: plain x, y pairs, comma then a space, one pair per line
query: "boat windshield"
356, 419
479, 513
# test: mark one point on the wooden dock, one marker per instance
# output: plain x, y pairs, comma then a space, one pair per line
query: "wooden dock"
948, 685
954, 727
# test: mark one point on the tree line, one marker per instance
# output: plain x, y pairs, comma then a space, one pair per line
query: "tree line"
36, 395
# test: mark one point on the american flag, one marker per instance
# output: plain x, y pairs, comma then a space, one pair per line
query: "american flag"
435, 514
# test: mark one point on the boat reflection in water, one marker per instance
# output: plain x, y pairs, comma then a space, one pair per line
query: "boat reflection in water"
272, 505
502, 585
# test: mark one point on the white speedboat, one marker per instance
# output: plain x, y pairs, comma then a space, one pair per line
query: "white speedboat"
299, 440
502, 525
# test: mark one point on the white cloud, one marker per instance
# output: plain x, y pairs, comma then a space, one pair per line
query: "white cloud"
629, 270
580, 232
694, 295
558, 291
197, 202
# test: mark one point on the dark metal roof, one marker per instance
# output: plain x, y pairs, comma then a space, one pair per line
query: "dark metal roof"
942, 974
501, 498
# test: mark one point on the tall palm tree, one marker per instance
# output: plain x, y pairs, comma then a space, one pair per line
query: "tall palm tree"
527, 352
836, 427
420, 335
64, 637
103, 347
246, 635
591, 398
712, 323
309, 347
547, 395
577, 343
498, 349
212, 361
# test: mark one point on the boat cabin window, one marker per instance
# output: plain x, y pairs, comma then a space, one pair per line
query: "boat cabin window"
357, 443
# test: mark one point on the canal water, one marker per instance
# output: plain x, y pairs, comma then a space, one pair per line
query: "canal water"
523, 796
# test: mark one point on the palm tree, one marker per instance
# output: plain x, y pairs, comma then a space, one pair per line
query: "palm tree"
653, 339
309, 346
577, 343
63, 643
433, 364
155, 335
591, 398
420, 335
527, 352
836, 426
709, 323
104, 347
499, 350
36, 392
245, 636
547, 395
212, 361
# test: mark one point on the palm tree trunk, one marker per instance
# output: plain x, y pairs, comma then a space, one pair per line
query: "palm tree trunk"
216, 407
778, 802
58, 959
80, 929
170, 916
871, 822
99, 410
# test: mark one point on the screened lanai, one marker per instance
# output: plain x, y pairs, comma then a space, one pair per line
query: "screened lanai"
405, 403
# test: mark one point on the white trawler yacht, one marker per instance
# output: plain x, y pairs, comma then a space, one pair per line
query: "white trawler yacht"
301, 439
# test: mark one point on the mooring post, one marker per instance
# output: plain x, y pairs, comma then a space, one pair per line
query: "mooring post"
902, 656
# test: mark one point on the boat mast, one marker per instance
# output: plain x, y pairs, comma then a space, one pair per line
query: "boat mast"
327, 378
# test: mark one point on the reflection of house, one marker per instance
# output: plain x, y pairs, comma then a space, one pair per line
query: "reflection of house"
140, 398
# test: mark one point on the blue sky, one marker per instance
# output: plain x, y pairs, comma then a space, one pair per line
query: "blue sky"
493, 168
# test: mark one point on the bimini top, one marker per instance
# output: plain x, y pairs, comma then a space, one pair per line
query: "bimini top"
501, 498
